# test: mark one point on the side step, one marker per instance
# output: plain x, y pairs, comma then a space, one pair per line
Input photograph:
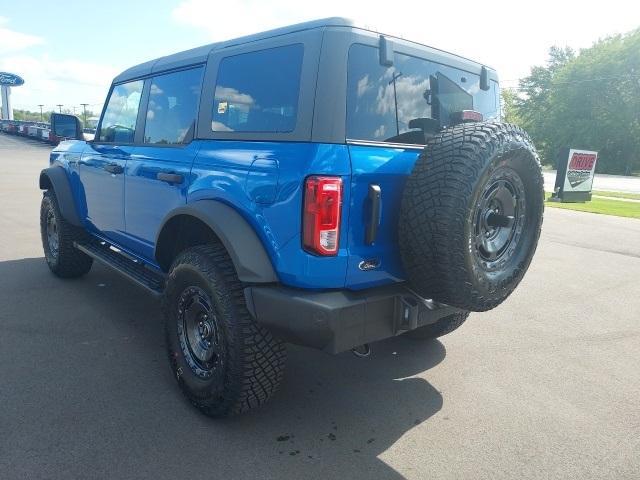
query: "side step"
132, 269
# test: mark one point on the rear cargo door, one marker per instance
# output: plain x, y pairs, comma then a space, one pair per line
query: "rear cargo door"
377, 182
383, 149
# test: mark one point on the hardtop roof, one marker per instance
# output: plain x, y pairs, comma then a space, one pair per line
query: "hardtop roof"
200, 54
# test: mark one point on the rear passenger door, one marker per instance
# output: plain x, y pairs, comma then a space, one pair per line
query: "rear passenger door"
158, 173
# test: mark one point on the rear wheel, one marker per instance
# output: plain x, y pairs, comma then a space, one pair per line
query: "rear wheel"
441, 327
224, 362
471, 215
58, 238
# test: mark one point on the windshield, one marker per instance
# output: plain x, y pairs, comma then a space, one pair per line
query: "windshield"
395, 104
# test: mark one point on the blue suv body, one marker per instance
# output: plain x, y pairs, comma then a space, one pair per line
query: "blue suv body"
240, 142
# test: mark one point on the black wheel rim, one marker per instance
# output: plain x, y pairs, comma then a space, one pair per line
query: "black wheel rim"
53, 237
499, 219
199, 332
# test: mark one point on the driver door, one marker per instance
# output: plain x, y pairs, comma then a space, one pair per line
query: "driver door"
103, 164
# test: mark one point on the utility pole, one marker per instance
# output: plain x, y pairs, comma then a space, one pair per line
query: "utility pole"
84, 114
395, 77
60, 105
41, 115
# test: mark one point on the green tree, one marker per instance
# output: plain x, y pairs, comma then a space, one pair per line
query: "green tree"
590, 100
27, 115
510, 113
535, 99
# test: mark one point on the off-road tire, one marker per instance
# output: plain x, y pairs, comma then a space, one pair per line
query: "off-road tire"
64, 260
441, 327
249, 361
444, 257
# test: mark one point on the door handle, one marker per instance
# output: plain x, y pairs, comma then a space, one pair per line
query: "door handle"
114, 168
375, 199
170, 177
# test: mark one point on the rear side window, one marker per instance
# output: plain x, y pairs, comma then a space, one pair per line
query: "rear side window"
382, 101
119, 120
258, 91
173, 102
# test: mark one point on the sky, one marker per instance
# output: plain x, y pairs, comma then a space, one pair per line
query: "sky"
69, 54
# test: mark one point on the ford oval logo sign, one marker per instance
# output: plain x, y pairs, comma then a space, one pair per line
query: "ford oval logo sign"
10, 80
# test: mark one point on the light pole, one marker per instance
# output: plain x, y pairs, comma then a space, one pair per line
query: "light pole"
60, 105
84, 113
41, 115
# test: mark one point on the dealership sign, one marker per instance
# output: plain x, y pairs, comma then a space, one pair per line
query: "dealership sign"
10, 80
575, 175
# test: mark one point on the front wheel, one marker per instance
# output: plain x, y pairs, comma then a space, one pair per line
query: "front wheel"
224, 362
58, 238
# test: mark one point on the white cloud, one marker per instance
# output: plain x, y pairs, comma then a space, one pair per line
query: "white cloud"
232, 95
510, 36
363, 86
12, 41
51, 81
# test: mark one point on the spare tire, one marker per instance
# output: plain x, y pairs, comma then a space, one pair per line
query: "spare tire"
471, 215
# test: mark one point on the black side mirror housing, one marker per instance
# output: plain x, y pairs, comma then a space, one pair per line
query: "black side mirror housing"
386, 51
484, 79
66, 126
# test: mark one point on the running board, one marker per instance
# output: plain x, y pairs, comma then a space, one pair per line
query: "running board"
132, 269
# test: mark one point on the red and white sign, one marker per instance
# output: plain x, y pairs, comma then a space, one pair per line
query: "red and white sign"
580, 170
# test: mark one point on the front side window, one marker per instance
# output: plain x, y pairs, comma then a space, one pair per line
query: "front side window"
173, 103
383, 101
258, 91
119, 120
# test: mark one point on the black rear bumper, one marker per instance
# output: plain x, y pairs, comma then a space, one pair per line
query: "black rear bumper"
335, 321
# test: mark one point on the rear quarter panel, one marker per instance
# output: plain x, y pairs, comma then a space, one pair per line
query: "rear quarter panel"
264, 182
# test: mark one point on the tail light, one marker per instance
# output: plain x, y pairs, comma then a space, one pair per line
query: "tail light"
321, 220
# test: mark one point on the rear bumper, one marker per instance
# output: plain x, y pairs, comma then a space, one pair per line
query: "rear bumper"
335, 321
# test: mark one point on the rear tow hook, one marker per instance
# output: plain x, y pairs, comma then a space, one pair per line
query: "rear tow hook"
362, 351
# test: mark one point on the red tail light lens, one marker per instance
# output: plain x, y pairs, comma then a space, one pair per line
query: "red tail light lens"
322, 208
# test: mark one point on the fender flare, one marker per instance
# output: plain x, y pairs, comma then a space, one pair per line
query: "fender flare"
247, 252
56, 178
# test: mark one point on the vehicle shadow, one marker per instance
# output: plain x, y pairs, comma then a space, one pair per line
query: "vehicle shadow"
85, 376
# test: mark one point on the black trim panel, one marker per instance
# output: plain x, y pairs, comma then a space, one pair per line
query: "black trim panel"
245, 248
339, 320
56, 178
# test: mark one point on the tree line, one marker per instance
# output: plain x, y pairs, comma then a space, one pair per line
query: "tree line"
588, 100
29, 116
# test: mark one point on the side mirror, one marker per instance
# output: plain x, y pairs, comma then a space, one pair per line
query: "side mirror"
386, 51
484, 79
65, 126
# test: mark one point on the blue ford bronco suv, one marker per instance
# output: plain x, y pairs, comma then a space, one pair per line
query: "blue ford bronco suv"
320, 184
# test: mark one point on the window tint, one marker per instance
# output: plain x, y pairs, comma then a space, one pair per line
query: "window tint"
119, 121
381, 101
173, 102
258, 91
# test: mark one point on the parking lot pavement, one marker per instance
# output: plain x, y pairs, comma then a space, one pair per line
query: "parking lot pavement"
545, 386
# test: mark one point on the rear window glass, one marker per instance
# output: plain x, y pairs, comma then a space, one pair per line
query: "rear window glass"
382, 101
173, 102
258, 91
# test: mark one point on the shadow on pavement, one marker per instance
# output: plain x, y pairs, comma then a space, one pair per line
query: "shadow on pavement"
86, 392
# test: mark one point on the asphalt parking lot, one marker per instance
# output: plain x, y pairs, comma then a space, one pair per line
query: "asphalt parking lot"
545, 386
